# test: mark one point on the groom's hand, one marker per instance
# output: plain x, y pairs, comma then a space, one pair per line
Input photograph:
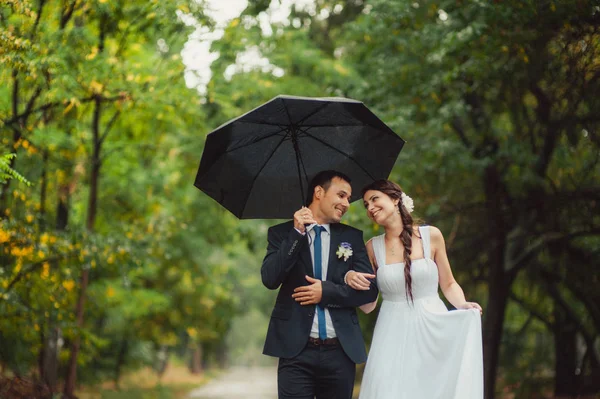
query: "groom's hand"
303, 217
309, 294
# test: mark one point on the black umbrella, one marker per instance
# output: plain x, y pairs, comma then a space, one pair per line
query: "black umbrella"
258, 165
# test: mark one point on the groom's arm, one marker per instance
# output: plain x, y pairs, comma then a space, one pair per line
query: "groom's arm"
342, 295
283, 250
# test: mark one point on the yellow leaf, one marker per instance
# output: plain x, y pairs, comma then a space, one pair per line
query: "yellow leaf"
192, 332
68, 285
29, 218
96, 87
92, 55
68, 107
341, 69
4, 236
110, 292
46, 270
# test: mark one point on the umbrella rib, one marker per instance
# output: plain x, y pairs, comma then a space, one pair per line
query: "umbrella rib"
261, 168
279, 125
337, 150
337, 125
258, 123
312, 113
259, 140
307, 116
293, 129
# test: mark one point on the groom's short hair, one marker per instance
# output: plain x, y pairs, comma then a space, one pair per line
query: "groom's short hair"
323, 179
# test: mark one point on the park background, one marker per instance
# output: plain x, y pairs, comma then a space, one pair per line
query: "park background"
112, 263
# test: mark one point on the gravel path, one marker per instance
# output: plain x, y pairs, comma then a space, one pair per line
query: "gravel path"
241, 382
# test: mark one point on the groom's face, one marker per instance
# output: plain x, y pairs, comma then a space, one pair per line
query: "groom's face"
333, 202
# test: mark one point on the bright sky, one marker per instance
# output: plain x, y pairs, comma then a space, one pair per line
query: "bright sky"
196, 53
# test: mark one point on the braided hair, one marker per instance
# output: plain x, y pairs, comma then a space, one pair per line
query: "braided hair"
394, 191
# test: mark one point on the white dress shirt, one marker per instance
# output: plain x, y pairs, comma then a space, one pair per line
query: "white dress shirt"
325, 244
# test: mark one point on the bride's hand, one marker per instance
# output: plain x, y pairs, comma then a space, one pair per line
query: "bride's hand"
471, 305
359, 281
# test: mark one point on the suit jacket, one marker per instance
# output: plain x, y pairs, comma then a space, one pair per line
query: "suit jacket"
285, 266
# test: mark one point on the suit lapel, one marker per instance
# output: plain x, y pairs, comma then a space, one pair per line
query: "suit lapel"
306, 258
334, 242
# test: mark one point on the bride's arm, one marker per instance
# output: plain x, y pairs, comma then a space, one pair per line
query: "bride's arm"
452, 291
359, 281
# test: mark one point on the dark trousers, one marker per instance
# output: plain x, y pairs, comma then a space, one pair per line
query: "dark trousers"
321, 371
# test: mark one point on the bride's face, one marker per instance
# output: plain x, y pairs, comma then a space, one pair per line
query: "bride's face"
380, 207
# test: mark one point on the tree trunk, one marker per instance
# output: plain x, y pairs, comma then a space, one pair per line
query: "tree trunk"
565, 349
120, 362
498, 281
196, 360
62, 207
49, 371
205, 351
493, 325
221, 355
71, 379
95, 165
43, 190
91, 220
162, 360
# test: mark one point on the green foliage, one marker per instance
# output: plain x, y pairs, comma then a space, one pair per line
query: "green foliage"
102, 82
497, 102
6, 172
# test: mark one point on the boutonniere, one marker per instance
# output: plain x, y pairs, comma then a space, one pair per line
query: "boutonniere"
345, 250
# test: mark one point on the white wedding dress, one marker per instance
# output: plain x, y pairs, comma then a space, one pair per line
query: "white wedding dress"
421, 351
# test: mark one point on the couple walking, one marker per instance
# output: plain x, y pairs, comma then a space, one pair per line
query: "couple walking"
324, 271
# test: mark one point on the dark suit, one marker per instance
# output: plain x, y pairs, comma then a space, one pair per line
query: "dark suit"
287, 262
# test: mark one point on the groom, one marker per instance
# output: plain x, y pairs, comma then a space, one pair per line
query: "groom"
314, 328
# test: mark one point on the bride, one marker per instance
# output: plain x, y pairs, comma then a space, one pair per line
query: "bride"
420, 350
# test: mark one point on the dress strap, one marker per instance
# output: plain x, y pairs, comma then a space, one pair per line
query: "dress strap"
426, 238
379, 250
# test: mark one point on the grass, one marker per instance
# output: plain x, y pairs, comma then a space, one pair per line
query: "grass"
175, 383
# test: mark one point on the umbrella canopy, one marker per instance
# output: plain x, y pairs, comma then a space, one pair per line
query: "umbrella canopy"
258, 165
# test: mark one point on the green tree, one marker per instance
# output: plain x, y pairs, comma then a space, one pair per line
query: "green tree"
495, 100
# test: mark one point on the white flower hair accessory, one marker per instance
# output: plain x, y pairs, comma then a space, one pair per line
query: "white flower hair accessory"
408, 203
345, 250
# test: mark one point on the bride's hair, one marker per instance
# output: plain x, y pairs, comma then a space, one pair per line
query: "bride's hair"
394, 191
